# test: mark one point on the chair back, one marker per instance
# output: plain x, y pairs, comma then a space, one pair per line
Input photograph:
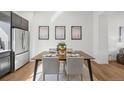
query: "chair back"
75, 65
51, 65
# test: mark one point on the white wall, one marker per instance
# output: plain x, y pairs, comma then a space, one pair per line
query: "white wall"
103, 39
106, 35
100, 37
95, 34
67, 19
115, 19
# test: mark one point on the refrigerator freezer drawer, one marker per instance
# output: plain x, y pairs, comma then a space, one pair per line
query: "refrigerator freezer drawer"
21, 59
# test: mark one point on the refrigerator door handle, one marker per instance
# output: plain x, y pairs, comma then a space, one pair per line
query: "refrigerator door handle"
22, 40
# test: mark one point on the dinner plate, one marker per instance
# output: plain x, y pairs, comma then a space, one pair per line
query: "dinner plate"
73, 55
50, 55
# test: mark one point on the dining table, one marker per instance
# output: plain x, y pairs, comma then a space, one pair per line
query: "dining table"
86, 57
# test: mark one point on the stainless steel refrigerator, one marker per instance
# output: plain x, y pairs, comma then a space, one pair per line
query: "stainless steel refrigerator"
20, 47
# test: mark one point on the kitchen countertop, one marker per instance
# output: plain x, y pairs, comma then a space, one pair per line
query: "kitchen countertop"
4, 53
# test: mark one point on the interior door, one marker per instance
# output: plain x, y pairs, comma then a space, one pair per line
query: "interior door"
18, 39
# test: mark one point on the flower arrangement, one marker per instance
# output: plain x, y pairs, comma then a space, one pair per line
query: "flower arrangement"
61, 47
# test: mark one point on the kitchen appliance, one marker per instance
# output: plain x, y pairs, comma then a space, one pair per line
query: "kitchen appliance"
5, 64
20, 47
5, 49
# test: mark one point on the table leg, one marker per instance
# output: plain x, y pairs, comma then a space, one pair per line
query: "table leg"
90, 69
64, 67
35, 70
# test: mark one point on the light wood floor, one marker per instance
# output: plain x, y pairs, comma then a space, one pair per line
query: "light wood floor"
23, 74
112, 71
108, 72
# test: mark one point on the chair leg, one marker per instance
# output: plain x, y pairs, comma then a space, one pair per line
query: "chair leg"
81, 77
43, 76
68, 77
58, 77
65, 73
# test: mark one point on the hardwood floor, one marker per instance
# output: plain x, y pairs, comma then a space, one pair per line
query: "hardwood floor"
108, 72
111, 72
23, 74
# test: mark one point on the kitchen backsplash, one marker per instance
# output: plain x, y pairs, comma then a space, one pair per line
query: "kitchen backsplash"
2, 45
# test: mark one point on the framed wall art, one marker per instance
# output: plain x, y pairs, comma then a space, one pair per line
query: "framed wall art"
121, 34
60, 32
43, 33
76, 32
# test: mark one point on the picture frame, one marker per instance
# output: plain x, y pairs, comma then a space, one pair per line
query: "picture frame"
121, 34
60, 32
43, 33
76, 32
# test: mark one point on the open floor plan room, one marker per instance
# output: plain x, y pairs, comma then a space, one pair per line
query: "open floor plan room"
61, 45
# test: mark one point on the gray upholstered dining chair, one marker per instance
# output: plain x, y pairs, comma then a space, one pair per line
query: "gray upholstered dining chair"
74, 66
51, 66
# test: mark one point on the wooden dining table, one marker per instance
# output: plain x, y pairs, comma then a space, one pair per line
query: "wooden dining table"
86, 57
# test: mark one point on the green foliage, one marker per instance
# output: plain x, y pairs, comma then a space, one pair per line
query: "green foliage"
61, 45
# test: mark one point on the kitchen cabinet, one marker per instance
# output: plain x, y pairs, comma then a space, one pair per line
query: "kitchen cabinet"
19, 22
16, 21
5, 65
24, 24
